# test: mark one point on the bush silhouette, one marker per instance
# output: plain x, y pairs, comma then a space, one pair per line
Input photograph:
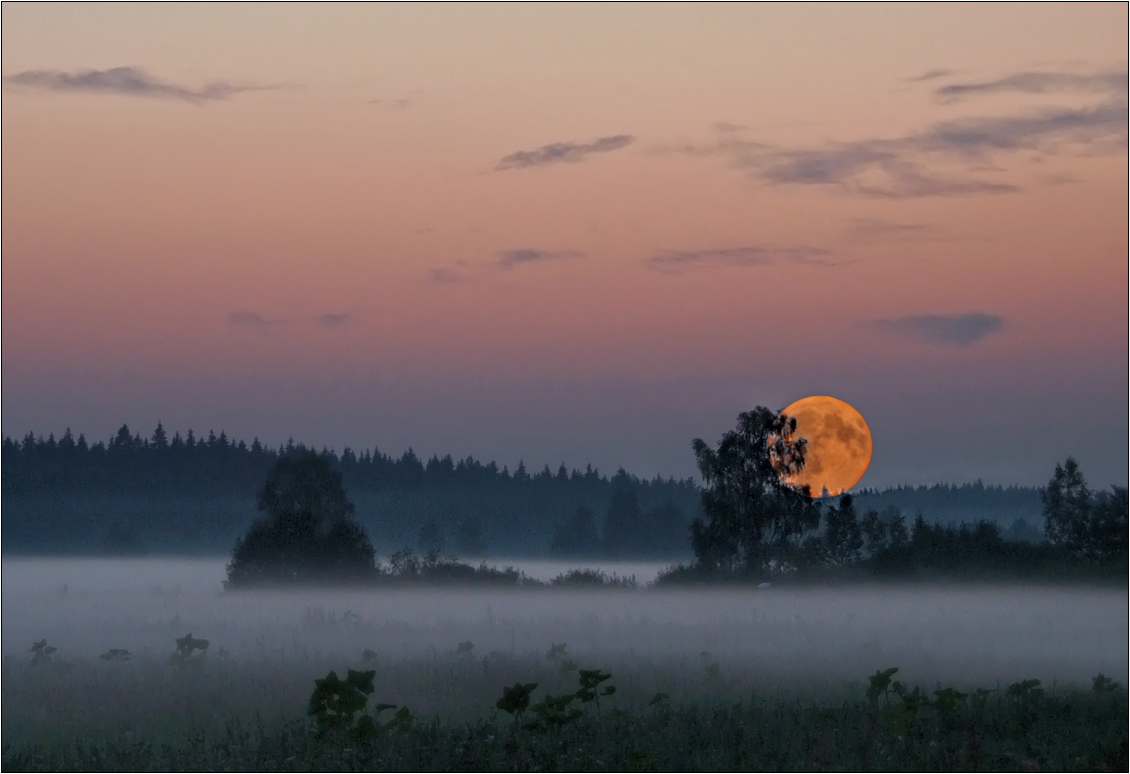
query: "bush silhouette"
308, 535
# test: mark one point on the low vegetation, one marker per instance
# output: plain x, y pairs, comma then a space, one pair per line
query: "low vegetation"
567, 718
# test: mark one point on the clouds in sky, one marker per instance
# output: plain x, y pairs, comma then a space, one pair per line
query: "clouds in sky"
1112, 82
508, 259
878, 228
956, 329
685, 261
503, 260
939, 160
948, 158
564, 152
126, 81
726, 127
398, 103
930, 75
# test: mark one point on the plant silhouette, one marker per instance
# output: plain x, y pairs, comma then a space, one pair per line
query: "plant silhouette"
185, 654
308, 535
591, 680
516, 699
41, 652
337, 710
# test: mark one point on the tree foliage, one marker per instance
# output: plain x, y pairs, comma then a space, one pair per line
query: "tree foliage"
753, 517
62, 493
469, 538
1089, 525
430, 540
623, 523
843, 535
308, 534
576, 536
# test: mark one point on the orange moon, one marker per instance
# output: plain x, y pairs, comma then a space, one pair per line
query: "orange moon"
839, 444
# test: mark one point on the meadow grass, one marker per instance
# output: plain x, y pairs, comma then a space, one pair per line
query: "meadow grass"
247, 712
128, 679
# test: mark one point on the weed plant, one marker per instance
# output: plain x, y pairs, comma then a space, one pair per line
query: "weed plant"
994, 731
415, 680
472, 715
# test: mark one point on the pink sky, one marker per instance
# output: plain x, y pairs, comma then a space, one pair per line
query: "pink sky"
573, 233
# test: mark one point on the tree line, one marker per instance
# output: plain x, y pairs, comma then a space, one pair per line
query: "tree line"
187, 493
754, 525
159, 463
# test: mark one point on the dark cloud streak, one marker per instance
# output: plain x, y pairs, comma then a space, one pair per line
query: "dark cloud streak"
929, 75
508, 259
955, 157
749, 256
941, 160
958, 329
124, 81
397, 103
571, 152
877, 228
1112, 82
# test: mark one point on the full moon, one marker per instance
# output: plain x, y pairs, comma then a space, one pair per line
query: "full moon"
839, 444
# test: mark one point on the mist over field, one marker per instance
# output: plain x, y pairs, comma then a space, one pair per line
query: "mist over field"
774, 636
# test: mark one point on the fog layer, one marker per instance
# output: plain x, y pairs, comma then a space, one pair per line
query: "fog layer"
962, 635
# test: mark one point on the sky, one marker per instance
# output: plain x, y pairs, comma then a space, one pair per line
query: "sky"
572, 233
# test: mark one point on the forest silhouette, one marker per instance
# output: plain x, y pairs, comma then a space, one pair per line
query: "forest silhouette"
184, 494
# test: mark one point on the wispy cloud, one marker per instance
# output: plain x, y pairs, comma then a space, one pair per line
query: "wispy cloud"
955, 157
684, 261
1112, 82
397, 103
127, 81
335, 319
929, 75
727, 127
564, 152
948, 158
957, 329
1048, 131
508, 259
504, 260
877, 227
870, 229
249, 319
873, 230
876, 169
445, 276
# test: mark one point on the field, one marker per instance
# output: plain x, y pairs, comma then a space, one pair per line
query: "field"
704, 680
